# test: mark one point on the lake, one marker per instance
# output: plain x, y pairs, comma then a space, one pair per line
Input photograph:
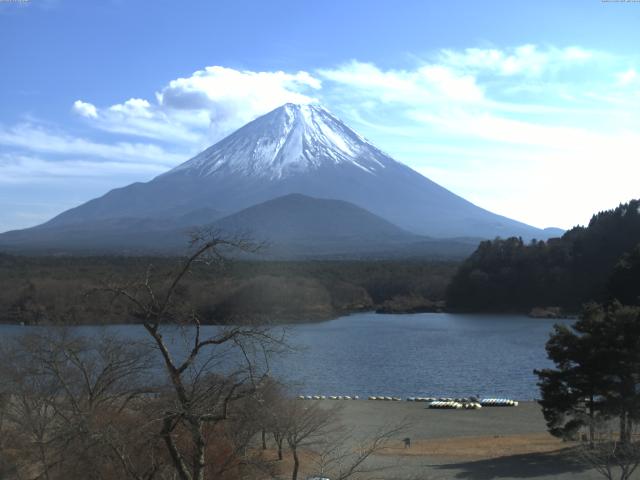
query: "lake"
428, 354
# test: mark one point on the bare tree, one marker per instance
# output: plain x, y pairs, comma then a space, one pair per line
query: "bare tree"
4, 403
197, 401
242, 429
68, 396
609, 456
101, 408
331, 449
31, 412
7, 466
269, 404
345, 456
307, 425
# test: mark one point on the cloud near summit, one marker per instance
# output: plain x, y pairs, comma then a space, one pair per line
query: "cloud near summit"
205, 106
212, 102
492, 124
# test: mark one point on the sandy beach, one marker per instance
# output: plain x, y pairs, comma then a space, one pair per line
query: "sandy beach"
490, 443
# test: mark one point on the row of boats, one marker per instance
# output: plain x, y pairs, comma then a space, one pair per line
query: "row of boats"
442, 402
498, 402
329, 397
456, 405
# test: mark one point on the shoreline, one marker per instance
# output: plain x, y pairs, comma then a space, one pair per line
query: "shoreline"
493, 442
307, 320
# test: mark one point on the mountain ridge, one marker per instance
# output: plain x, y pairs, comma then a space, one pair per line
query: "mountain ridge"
293, 226
299, 137
294, 149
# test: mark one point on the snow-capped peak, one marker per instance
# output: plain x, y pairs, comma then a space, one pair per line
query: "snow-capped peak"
288, 140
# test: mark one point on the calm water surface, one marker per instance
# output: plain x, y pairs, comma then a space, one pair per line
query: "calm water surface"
430, 354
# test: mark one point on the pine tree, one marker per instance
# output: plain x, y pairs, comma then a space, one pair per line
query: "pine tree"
597, 374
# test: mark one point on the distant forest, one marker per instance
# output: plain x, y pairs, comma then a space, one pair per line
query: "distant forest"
600, 262
68, 290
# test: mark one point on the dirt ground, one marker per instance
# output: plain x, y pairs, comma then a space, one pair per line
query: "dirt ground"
485, 444
481, 447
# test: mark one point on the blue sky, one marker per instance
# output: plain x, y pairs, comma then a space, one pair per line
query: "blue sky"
529, 109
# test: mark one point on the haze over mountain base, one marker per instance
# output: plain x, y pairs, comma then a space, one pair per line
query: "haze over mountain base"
297, 178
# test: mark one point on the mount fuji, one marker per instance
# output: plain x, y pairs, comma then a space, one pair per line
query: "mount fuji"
294, 149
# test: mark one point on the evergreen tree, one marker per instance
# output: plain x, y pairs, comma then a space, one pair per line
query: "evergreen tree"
509, 275
597, 374
624, 284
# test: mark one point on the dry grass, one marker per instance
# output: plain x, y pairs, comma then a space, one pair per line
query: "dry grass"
481, 447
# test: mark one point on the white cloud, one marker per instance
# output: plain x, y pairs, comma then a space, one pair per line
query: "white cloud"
134, 107
628, 77
85, 109
426, 84
36, 138
217, 86
554, 175
24, 168
185, 116
533, 132
522, 60
204, 107
232, 97
526, 132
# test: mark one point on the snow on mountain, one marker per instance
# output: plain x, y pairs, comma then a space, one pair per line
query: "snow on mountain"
294, 149
289, 140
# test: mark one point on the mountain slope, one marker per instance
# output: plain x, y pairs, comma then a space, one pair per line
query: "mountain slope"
299, 218
293, 149
292, 226
298, 226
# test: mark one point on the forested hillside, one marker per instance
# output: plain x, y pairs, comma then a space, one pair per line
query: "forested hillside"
55, 290
598, 262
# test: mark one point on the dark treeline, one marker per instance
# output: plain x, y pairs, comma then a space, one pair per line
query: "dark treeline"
46, 290
599, 262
